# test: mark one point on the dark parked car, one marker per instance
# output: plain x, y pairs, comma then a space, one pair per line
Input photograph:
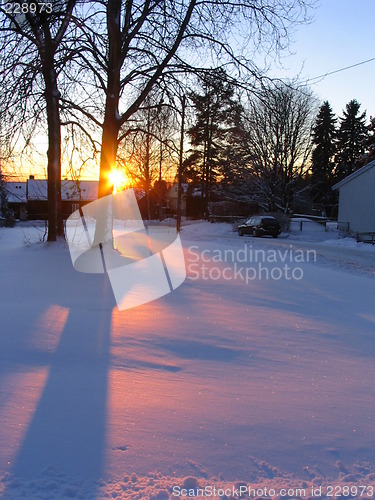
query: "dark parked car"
260, 225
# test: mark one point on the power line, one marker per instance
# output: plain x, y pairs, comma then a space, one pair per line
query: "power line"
338, 70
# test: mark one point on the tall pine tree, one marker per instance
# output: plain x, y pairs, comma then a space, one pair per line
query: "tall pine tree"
352, 137
322, 161
216, 127
369, 143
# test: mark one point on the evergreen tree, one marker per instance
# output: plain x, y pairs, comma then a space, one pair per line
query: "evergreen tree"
352, 137
369, 144
217, 126
322, 159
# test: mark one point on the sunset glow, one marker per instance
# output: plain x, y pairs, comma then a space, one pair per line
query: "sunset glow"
118, 179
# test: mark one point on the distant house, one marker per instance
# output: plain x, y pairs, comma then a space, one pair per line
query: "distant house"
171, 198
74, 194
191, 201
17, 200
357, 199
29, 200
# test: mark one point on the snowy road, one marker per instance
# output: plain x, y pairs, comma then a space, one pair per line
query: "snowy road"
233, 376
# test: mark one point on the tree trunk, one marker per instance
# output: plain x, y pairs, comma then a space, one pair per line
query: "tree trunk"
55, 221
108, 153
111, 125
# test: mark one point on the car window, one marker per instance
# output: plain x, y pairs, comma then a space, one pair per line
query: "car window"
269, 221
248, 222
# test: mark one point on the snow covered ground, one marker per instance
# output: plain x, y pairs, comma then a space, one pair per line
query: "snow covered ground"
258, 372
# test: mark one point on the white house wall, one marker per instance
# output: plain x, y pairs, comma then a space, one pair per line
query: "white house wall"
357, 202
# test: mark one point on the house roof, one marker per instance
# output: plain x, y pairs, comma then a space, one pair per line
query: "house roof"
37, 190
354, 175
173, 190
16, 192
88, 190
70, 190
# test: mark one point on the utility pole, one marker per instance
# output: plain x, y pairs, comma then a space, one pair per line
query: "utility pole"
161, 131
160, 188
179, 192
147, 163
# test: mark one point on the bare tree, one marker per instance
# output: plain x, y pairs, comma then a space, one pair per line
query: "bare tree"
129, 46
31, 40
122, 49
150, 150
279, 125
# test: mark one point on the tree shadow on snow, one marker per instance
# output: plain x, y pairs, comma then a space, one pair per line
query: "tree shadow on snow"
67, 431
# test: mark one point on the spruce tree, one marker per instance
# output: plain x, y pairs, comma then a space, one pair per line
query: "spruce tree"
370, 142
322, 165
217, 125
352, 137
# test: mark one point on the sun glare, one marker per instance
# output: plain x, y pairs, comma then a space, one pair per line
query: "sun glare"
118, 179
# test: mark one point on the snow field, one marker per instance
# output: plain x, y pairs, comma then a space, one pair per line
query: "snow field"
268, 382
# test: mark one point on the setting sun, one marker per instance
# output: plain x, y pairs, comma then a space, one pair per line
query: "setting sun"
118, 179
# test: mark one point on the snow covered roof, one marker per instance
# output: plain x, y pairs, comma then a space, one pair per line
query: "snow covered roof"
70, 190
355, 174
37, 189
16, 192
88, 190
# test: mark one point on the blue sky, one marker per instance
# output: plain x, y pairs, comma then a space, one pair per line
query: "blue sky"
341, 34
